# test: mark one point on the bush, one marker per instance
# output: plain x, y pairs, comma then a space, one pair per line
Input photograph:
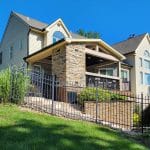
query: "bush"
5, 85
93, 94
13, 85
136, 119
19, 84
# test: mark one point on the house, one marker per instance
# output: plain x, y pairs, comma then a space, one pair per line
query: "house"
53, 49
136, 49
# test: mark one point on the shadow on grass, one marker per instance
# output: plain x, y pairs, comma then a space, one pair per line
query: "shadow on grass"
29, 134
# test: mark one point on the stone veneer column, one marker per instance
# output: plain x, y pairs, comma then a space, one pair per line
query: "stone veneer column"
75, 64
59, 64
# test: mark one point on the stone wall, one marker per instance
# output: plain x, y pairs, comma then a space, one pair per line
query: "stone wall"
75, 64
119, 114
59, 64
68, 64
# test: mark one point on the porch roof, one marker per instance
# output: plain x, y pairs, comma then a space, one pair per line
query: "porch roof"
46, 51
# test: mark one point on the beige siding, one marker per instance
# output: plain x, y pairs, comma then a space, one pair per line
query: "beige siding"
142, 88
36, 41
15, 32
49, 36
131, 61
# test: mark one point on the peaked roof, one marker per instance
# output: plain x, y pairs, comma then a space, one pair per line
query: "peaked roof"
31, 22
129, 45
41, 25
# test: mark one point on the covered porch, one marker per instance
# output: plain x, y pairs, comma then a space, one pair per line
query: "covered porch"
102, 69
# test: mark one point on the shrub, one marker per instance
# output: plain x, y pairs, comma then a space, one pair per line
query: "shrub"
13, 85
93, 94
5, 85
136, 119
19, 84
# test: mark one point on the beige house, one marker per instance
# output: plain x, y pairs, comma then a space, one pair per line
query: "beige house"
136, 49
52, 49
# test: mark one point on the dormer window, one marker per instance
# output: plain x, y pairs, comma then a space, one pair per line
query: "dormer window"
58, 36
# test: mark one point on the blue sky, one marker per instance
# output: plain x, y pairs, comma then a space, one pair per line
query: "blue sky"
115, 20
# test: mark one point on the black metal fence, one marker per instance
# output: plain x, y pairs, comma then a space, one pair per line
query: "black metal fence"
117, 109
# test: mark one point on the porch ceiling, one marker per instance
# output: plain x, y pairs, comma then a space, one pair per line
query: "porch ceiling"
100, 54
45, 52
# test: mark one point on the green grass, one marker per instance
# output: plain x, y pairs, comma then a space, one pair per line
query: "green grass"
25, 130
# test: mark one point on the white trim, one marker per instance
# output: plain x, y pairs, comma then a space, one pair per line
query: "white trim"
62, 23
101, 42
100, 54
103, 76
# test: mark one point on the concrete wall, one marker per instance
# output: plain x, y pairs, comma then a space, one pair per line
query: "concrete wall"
16, 32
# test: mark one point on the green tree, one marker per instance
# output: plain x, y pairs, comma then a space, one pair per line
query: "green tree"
89, 34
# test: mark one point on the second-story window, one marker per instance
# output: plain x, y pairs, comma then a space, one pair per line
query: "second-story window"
11, 52
57, 36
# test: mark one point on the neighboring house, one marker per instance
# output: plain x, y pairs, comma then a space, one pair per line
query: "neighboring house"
52, 49
137, 52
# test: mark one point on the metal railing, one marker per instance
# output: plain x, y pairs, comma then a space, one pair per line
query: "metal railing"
117, 109
112, 108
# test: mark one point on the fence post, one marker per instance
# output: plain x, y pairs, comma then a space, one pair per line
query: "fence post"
142, 112
53, 90
96, 103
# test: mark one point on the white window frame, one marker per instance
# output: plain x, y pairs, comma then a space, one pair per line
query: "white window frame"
141, 78
128, 75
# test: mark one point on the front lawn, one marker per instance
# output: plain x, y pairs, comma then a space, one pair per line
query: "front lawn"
25, 130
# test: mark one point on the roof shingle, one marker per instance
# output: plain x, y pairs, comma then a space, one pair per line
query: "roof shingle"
129, 45
32, 22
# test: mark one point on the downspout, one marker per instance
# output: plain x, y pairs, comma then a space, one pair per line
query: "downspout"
28, 45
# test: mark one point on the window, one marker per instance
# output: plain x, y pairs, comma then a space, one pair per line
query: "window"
140, 62
11, 52
141, 77
0, 58
124, 75
146, 53
146, 64
57, 36
147, 78
107, 71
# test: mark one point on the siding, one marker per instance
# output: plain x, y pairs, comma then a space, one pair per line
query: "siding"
36, 41
142, 88
14, 33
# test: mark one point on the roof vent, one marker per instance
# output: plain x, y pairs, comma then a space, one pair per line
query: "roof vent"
131, 36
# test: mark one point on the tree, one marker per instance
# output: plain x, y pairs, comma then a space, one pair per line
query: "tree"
89, 34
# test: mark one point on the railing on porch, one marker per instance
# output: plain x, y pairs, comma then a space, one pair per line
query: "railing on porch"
106, 83
125, 86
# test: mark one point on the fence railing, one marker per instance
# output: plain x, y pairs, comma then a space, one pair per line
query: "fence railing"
112, 108
117, 109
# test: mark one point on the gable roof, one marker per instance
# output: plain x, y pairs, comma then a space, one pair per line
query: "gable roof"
41, 25
129, 45
31, 22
